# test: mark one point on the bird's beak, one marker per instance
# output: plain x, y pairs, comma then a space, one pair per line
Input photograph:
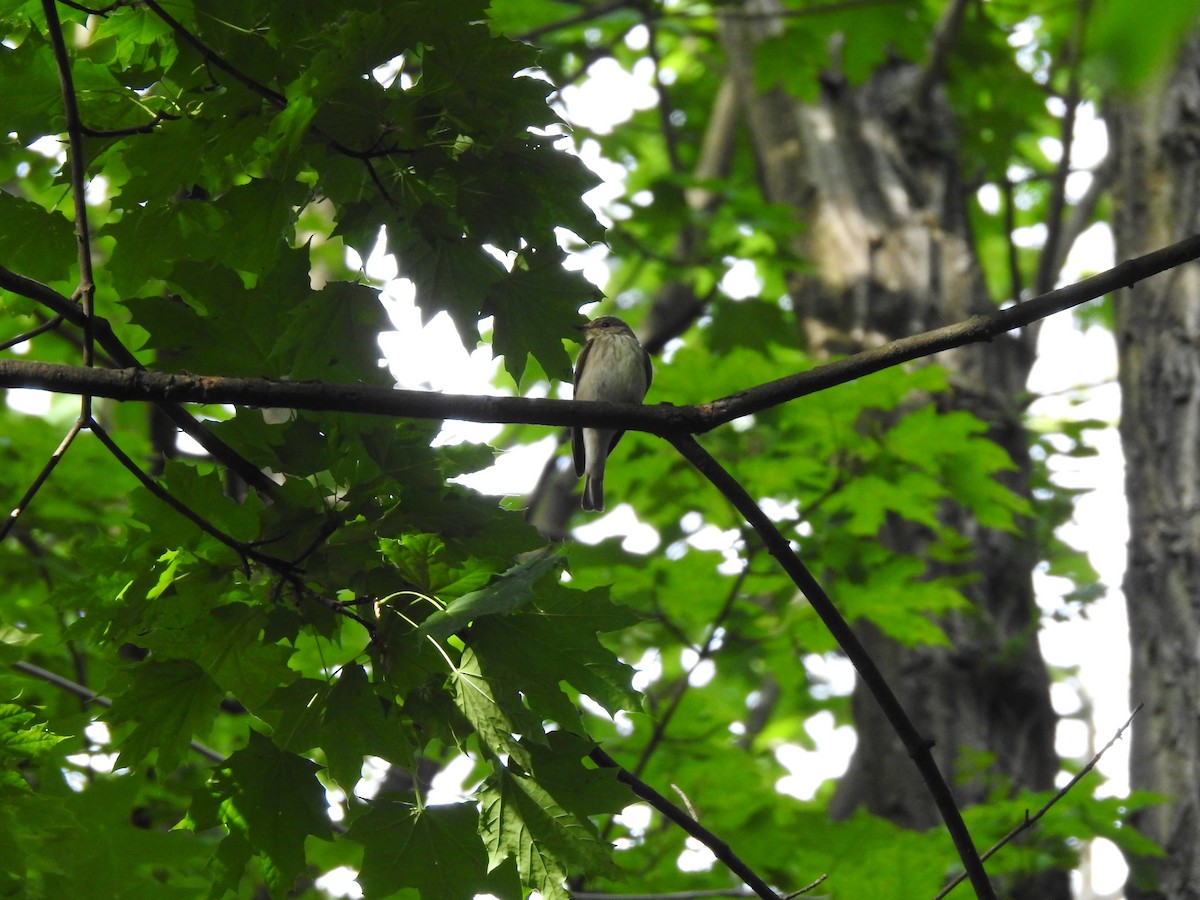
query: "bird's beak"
583, 327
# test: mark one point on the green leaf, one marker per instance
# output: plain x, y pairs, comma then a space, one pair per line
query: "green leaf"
556, 642
424, 561
436, 849
172, 701
494, 709
34, 242
511, 591
450, 274
278, 797
520, 819
357, 722
226, 644
20, 741
535, 308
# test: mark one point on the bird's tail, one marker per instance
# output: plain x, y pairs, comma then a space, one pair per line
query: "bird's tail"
593, 491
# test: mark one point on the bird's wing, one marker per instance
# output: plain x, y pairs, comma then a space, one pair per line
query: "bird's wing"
612, 445
577, 449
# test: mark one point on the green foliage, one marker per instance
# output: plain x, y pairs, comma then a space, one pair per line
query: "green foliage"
370, 612
18, 743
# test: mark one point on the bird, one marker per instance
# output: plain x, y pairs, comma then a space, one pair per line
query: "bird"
613, 367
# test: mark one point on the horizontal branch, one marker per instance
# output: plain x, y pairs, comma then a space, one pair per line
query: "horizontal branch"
663, 418
142, 384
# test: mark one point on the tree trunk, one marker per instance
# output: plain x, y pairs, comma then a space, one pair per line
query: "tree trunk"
872, 172
1156, 138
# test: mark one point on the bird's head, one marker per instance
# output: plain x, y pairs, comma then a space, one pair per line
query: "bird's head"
603, 325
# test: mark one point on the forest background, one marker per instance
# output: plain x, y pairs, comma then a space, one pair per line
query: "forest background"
261, 635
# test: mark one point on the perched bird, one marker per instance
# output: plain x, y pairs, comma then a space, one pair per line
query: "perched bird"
612, 366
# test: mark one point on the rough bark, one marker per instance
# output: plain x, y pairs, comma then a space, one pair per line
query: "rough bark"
874, 177
1156, 138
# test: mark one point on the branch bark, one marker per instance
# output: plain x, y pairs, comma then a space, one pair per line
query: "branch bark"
662, 419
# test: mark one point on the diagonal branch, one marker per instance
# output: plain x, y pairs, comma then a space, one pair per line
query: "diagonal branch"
288, 571
944, 35
276, 99
918, 747
29, 335
1053, 249
242, 549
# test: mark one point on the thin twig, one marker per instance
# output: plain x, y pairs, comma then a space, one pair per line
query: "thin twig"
1080, 218
29, 494
1029, 820
89, 696
670, 139
918, 747
813, 885
1047, 265
276, 99
587, 15
719, 848
103, 11
1016, 282
289, 571
798, 13
86, 290
148, 128
706, 651
213, 58
32, 333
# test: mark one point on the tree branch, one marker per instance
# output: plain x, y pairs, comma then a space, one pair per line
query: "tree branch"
918, 747
48, 325
276, 99
662, 419
1029, 820
592, 12
719, 848
944, 36
734, 893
